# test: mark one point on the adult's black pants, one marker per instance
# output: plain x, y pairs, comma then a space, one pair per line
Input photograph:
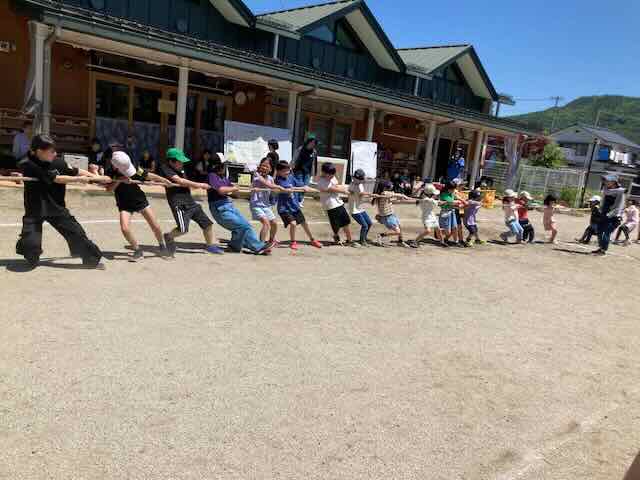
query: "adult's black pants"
30, 242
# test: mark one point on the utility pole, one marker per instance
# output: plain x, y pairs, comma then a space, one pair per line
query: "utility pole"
555, 116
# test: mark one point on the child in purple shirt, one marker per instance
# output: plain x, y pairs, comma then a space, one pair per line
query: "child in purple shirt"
471, 210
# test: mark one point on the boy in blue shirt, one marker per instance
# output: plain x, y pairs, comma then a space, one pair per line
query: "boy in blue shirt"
289, 207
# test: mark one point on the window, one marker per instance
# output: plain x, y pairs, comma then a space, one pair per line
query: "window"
112, 100
324, 33
345, 36
145, 105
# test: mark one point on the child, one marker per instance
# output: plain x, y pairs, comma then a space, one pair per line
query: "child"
592, 229
428, 204
332, 204
260, 201
356, 206
448, 218
182, 204
289, 207
228, 216
44, 202
130, 198
547, 217
386, 216
529, 233
473, 206
510, 209
632, 217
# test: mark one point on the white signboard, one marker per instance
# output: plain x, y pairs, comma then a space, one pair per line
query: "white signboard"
364, 155
246, 144
341, 168
77, 161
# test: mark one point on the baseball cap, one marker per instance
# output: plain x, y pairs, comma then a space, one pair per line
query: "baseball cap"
509, 193
359, 174
178, 155
525, 194
610, 178
595, 199
122, 163
431, 189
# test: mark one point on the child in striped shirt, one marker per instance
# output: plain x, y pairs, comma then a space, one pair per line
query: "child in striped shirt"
386, 216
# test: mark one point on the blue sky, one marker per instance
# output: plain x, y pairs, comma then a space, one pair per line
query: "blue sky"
531, 50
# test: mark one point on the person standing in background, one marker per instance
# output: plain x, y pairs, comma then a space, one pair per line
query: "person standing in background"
22, 142
96, 161
273, 155
147, 161
304, 165
456, 165
613, 198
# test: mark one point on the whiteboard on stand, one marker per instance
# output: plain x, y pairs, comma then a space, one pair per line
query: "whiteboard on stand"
247, 144
364, 155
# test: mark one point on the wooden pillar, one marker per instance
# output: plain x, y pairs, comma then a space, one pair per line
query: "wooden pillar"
477, 152
436, 150
181, 109
371, 122
291, 111
427, 166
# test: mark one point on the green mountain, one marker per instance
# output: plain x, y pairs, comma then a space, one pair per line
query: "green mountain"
617, 113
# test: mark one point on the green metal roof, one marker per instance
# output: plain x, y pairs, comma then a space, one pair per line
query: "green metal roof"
429, 59
296, 19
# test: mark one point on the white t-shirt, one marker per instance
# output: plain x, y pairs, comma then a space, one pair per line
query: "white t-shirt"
428, 206
329, 200
356, 200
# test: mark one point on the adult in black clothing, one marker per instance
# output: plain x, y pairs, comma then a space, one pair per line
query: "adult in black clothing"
199, 170
273, 155
44, 201
147, 161
305, 163
96, 162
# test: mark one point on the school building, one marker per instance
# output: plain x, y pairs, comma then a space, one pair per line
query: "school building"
157, 73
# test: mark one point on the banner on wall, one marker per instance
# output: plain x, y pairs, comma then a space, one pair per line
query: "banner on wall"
364, 155
246, 144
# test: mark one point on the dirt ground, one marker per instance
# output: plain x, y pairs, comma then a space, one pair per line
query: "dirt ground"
499, 362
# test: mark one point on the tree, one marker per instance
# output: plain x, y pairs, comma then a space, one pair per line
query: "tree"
551, 157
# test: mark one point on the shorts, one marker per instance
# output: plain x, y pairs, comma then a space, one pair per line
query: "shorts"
130, 198
472, 229
183, 215
389, 221
259, 213
288, 218
431, 222
458, 217
448, 221
338, 218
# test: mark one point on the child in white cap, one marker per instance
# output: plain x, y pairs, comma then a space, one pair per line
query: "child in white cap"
594, 220
510, 209
631, 222
130, 198
428, 203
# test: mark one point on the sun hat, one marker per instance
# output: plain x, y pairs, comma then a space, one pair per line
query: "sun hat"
178, 155
525, 194
509, 194
122, 163
610, 177
359, 174
431, 190
457, 182
595, 199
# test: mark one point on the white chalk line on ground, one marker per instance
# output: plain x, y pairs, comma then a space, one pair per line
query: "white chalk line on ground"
537, 459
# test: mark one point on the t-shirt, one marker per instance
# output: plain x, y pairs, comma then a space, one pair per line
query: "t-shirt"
45, 198
288, 202
428, 206
260, 199
175, 195
217, 182
356, 200
510, 211
305, 161
385, 205
523, 211
632, 216
471, 212
329, 200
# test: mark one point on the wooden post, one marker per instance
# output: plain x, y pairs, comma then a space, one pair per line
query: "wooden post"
429, 150
181, 108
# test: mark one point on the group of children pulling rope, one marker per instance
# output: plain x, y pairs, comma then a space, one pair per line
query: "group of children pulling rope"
45, 176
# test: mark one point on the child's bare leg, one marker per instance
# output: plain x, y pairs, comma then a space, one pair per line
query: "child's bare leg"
292, 232
347, 232
307, 230
264, 231
125, 228
274, 231
554, 234
209, 236
175, 233
422, 235
151, 219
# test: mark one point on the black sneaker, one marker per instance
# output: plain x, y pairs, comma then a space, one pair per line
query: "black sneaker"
170, 244
136, 256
